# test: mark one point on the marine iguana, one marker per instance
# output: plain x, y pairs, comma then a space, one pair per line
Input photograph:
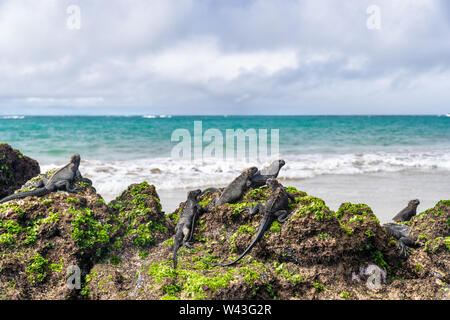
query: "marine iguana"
275, 209
260, 177
403, 232
61, 180
407, 213
235, 189
184, 230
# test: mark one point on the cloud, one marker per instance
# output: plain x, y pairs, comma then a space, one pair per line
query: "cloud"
69, 102
201, 60
260, 56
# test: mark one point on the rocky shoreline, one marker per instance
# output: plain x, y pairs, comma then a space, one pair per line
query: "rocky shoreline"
123, 249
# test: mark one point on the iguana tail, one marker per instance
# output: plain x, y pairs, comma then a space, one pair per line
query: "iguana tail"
237, 259
37, 193
264, 226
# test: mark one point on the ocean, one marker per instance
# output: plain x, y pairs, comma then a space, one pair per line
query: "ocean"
383, 161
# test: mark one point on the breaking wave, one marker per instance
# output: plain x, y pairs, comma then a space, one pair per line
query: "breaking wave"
112, 177
156, 116
12, 117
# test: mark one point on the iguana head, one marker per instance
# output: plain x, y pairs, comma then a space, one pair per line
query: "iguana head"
275, 166
192, 195
251, 171
413, 203
75, 159
272, 183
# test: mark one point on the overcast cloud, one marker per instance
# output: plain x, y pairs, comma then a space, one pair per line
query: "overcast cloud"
224, 57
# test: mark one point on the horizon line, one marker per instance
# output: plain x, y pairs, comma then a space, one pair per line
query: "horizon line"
219, 115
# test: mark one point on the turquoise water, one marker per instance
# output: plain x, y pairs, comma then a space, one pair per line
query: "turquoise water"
383, 161
52, 139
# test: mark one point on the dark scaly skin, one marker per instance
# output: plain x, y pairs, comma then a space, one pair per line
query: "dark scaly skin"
407, 213
276, 209
402, 232
184, 230
234, 191
261, 176
272, 171
61, 180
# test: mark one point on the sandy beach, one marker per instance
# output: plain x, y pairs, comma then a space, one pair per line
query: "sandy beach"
385, 193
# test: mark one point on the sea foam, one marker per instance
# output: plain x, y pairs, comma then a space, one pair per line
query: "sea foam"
112, 177
12, 117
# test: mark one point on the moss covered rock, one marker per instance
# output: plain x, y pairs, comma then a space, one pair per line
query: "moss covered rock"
124, 250
310, 256
139, 217
316, 254
428, 266
42, 237
139, 226
15, 169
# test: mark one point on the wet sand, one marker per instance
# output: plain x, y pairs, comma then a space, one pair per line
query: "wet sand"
385, 193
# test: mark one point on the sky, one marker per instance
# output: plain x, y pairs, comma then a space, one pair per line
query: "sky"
224, 57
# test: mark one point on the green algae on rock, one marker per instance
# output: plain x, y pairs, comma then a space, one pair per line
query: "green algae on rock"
125, 250
139, 226
138, 216
43, 236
